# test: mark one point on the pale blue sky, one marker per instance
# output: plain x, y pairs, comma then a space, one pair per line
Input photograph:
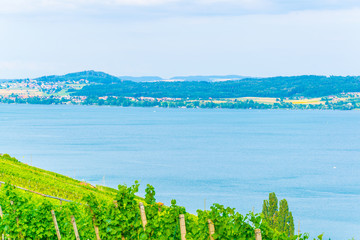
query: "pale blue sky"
179, 37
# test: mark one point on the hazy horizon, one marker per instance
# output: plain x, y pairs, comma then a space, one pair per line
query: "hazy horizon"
259, 38
177, 76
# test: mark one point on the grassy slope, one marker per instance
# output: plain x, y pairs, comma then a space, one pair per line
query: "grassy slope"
19, 174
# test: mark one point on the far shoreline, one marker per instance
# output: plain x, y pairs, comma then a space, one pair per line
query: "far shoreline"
198, 108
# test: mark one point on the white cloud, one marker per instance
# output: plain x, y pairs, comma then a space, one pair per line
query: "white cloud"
18, 6
178, 7
247, 4
24, 6
139, 2
23, 68
302, 42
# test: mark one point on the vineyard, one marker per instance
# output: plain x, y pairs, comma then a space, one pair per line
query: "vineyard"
46, 182
102, 213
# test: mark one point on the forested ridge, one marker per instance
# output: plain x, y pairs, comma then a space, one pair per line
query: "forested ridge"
276, 87
99, 84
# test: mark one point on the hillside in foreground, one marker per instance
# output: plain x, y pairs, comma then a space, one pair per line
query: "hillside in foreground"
35, 179
105, 213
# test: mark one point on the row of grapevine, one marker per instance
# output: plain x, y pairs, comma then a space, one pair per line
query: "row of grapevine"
23, 175
27, 216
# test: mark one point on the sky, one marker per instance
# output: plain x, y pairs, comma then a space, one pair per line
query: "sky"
167, 38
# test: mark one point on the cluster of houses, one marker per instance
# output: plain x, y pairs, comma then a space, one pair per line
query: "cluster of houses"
151, 99
81, 99
30, 84
41, 86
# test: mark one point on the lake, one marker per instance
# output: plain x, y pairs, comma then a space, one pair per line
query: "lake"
232, 157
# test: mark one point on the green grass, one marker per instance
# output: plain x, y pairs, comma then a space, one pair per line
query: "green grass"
22, 175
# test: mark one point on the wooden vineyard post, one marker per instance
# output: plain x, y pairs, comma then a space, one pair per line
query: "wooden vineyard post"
182, 226
17, 219
75, 228
143, 215
95, 226
56, 224
258, 234
211, 229
96, 229
2, 216
298, 231
116, 206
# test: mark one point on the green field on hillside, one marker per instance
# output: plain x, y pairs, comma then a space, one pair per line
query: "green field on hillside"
105, 213
46, 182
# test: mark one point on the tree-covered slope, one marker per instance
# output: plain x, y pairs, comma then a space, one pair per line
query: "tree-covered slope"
98, 84
278, 87
91, 76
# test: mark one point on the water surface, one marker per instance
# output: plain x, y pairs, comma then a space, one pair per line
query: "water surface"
232, 157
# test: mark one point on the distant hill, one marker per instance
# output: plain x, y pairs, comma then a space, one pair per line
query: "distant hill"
204, 87
141, 79
278, 87
211, 78
91, 76
101, 77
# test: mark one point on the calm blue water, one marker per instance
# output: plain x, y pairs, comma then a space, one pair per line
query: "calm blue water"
233, 157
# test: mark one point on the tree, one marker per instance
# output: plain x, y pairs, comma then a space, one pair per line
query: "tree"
270, 208
285, 221
280, 219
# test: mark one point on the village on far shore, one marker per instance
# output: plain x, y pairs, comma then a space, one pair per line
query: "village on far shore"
38, 91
